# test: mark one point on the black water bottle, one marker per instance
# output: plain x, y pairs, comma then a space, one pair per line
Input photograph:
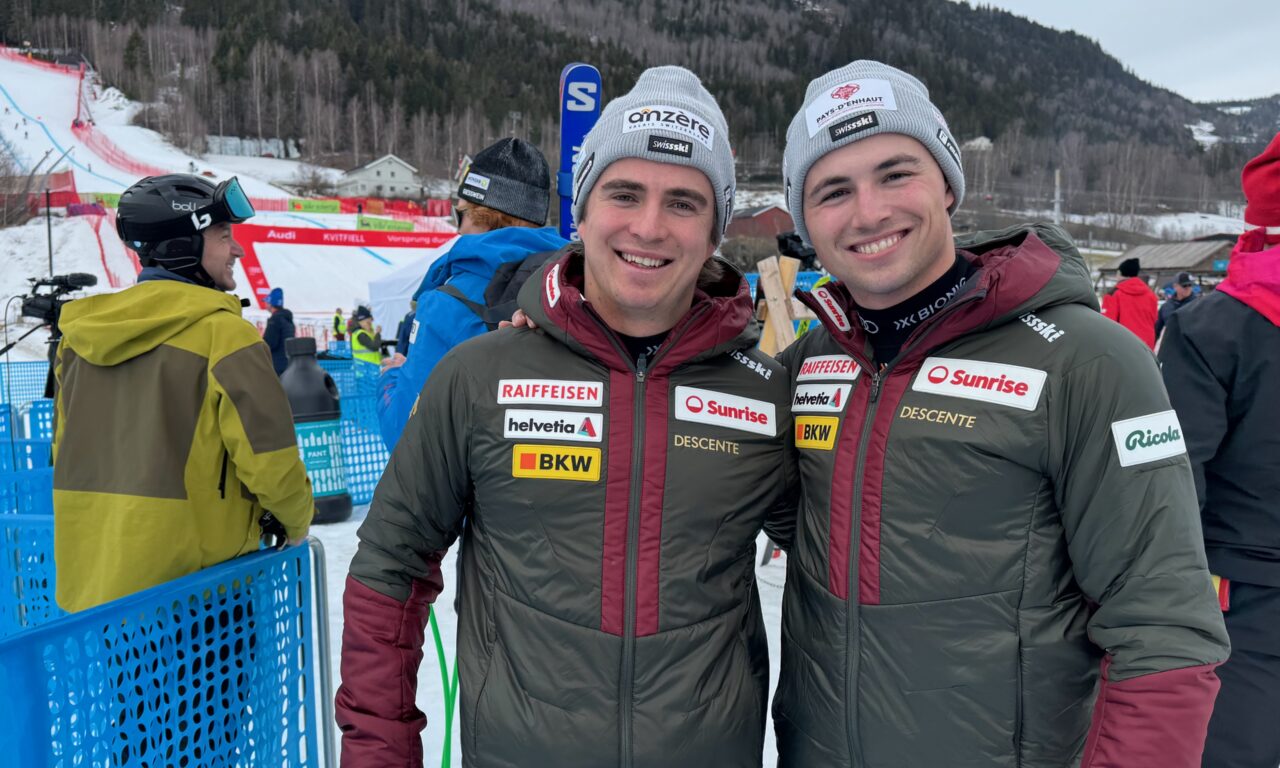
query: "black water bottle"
317, 418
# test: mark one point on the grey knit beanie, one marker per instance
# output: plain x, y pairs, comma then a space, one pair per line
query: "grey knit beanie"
668, 117
511, 176
858, 100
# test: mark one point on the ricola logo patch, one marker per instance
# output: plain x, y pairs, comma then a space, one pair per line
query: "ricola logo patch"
1148, 438
706, 406
998, 383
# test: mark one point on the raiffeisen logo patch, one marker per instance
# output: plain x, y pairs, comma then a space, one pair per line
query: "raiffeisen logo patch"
588, 394
821, 398
667, 118
707, 406
555, 462
828, 367
553, 425
998, 383
816, 432
1148, 438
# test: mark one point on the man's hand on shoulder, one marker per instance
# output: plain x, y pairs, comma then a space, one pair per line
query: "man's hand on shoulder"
395, 361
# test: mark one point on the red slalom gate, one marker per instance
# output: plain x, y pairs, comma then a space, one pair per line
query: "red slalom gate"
249, 236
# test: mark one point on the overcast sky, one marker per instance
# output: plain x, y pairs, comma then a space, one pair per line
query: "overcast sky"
1205, 50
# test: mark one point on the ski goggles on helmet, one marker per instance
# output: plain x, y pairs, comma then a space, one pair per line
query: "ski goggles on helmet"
182, 217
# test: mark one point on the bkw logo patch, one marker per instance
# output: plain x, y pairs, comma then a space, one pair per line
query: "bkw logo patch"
551, 462
816, 432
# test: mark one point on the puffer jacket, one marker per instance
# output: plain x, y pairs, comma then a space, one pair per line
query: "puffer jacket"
609, 612
1221, 362
997, 538
172, 437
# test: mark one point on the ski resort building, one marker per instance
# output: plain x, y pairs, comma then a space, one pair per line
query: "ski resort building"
388, 176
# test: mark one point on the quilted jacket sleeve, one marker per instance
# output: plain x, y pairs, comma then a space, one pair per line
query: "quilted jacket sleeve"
395, 575
1124, 488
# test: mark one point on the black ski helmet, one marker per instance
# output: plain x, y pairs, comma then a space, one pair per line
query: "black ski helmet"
163, 218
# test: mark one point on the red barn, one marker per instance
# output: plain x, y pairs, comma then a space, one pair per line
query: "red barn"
767, 222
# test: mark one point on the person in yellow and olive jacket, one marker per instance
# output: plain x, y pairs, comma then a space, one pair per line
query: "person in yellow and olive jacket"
173, 436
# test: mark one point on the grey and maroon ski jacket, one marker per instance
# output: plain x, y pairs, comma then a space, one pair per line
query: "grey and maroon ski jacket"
609, 613
998, 538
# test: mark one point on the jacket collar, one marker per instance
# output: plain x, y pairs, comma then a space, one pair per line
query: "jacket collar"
1018, 272
720, 318
1253, 274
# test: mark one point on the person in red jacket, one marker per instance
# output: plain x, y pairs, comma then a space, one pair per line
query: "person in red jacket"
1133, 304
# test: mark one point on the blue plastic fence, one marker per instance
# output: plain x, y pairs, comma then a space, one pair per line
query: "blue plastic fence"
224, 667
26, 572
804, 280
22, 382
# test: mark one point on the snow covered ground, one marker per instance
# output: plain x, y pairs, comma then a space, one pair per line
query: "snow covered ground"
340, 546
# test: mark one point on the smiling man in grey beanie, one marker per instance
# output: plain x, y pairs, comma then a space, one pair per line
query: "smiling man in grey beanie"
997, 560
613, 468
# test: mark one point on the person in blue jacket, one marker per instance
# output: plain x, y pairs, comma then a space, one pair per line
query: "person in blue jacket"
501, 212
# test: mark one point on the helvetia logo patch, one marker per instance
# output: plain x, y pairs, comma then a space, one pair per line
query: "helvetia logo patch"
553, 425
816, 432
555, 462
1148, 438
828, 398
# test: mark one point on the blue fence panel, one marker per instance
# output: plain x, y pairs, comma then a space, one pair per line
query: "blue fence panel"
363, 454
27, 492
38, 419
26, 573
224, 667
20, 455
22, 382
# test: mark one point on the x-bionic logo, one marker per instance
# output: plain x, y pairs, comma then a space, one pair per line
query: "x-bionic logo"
845, 91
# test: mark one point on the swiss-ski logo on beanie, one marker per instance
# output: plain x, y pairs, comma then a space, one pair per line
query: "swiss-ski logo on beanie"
845, 99
668, 118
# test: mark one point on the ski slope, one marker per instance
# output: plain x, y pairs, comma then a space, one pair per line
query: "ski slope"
40, 103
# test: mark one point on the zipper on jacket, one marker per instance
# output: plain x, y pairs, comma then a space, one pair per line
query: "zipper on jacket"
222, 479
640, 369
855, 528
633, 546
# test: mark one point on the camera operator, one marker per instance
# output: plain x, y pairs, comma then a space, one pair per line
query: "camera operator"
173, 436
